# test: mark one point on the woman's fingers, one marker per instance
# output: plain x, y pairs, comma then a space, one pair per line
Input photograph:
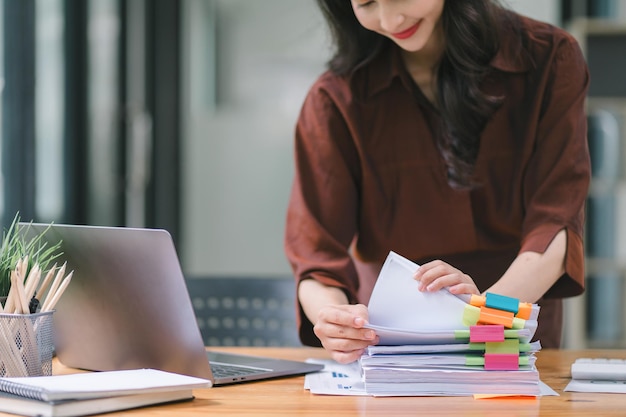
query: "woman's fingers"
340, 329
435, 275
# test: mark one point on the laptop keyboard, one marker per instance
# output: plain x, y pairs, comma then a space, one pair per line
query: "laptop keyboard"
223, 370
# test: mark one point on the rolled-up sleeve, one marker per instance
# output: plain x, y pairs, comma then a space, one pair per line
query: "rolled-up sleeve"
557, 178
322, 211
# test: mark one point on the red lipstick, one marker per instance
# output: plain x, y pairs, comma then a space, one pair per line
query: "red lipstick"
406, 33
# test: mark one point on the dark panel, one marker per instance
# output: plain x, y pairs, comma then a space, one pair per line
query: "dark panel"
164, 103
18, 110
75, 115
606, 57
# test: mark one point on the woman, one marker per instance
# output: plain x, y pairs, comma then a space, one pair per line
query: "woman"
453, 133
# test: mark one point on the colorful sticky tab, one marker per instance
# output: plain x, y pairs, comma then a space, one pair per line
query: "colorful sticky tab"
508, 346
474, 360
501, 362
502, 302
524, 311
487, 333
479, 360
471, 314
511, 334
493, 316
482, 347
461, 334
477, 346
518, 323
477, 300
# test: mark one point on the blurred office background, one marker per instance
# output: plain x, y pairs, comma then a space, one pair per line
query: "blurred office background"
179, 114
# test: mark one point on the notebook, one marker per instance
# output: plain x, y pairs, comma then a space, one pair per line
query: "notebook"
127, 307
86, 393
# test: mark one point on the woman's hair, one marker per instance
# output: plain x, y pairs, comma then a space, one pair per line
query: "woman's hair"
471, 37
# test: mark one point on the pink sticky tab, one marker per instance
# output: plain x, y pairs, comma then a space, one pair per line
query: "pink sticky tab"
501, 362
487, 333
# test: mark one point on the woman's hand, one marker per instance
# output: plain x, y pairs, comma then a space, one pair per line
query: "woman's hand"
436, 275
340, 329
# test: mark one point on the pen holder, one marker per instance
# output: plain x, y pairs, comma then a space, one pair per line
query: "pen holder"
26, 344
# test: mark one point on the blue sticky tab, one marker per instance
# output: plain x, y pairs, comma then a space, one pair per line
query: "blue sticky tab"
502, 302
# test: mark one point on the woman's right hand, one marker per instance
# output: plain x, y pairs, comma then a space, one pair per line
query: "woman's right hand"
340, 329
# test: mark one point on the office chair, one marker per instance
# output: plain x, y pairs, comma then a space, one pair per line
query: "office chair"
243, 311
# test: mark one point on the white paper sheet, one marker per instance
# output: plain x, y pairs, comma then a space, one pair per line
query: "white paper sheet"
396, 302
338, 379
335, 379
612, 387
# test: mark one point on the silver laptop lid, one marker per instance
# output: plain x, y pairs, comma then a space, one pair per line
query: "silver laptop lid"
127, 305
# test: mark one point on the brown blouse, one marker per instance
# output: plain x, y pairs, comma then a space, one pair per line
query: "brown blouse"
369, 178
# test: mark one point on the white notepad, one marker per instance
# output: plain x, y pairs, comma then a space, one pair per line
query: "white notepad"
99, 384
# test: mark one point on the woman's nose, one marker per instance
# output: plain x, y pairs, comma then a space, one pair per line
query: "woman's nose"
391, 18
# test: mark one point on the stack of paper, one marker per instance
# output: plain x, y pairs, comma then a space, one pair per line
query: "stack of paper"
442, 344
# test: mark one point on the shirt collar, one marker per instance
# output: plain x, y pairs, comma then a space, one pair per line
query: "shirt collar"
388, 64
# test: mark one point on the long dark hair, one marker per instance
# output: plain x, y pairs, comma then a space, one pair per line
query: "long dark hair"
471, 34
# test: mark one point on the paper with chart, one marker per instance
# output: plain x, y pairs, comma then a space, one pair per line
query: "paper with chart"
401, 314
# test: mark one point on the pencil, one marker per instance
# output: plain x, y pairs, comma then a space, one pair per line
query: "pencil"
57, 295
9, 304
54, 286
21, 294
44, 284
32, 281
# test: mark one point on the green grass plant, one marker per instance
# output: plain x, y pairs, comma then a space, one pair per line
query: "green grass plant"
16, 245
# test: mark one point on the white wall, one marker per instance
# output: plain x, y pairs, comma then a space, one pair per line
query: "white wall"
546, 10
238, 151
238, 157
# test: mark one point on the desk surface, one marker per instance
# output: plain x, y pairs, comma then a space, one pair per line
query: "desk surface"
286, 396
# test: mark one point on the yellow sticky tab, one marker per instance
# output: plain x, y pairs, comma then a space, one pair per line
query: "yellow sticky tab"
518, 323
471, 314
508, 346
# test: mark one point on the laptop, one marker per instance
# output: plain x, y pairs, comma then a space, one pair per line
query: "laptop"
128, 307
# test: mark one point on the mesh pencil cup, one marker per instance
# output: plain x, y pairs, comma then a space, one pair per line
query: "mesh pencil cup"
26, 344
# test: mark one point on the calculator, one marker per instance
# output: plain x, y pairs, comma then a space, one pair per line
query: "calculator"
599, 369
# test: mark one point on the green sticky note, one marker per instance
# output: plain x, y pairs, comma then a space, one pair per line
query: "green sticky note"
461, 334
472, 360
508, 346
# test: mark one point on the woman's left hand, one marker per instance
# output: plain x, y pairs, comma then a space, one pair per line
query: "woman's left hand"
436, 275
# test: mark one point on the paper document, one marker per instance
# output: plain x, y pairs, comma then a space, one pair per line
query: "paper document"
455, 347
335, 379
401, 314
339, 379
397, 307
427, 346
612, 387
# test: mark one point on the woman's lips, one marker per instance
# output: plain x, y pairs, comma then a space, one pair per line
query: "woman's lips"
406, 33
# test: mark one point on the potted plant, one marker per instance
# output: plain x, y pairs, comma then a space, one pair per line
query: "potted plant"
16, 246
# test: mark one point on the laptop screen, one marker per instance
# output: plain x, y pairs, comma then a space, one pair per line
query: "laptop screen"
127, 305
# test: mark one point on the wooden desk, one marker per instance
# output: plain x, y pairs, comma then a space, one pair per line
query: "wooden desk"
287, 396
